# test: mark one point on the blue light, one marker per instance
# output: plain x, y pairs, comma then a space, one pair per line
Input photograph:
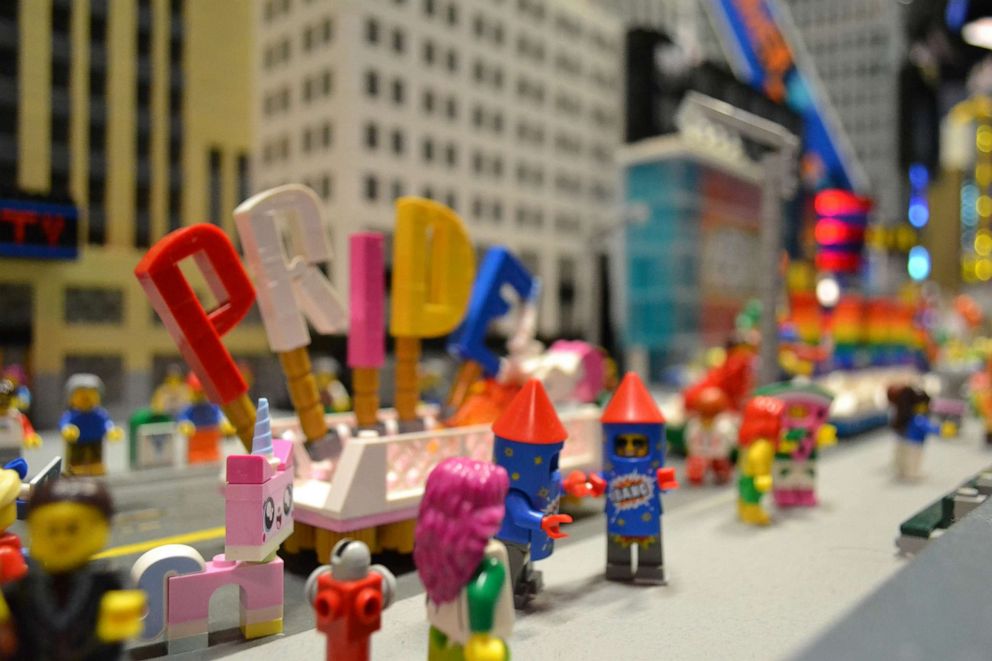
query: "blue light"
918, 264
955, 14
918, 176
918, 214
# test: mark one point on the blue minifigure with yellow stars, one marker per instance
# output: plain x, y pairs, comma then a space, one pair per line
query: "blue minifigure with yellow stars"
633, 479
529, 440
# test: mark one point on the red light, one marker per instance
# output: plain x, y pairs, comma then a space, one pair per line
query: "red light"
836, 202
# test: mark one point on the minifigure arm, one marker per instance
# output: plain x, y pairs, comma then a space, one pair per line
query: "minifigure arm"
483, 594
12, 565
120, 615
31, 437
111, 431
580, 485
69, 431
666, 479
826, 435
519, 511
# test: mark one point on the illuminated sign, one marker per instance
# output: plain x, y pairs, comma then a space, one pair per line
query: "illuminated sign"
38, 229
760, 52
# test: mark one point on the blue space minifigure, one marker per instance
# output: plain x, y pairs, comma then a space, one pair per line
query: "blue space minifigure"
529, 439
633, 480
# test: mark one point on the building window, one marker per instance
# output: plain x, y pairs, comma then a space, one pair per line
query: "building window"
326, 134
328, 30
428, 101
372, 31
451, 155
397, 189
452, 15
427, 150
244, 177
451, 108
93, 305
371, 188
398, 91
428, 52
371, 136
430, 7
325, 186
215, 212
452, 60
399, 41
372, 83
398, 142
327, 82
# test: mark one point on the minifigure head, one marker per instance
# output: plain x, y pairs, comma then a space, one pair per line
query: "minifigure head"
173, 375
761, 420
325, 370
7, 391
84, 391
68, 522
197, 396
259, 495
630, 445
633, 426
462, 508
10, 488
16, 374
907, 402
711, 402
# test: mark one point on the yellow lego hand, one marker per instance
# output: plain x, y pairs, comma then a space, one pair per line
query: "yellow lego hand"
70, 433
483, 647
948, 429
226, 429
827, 435
186, 428
763, 483
115, 434
32, 440
787, 447
120, 615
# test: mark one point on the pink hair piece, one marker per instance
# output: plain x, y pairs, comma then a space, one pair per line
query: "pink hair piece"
462, 508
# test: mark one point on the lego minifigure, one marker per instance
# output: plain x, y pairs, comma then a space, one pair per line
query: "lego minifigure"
464, 570
761, 427
15, 428
529, 440
259, 517
203, 424
12, 565
709, 437
911, 421
22, 394
173, 395
805, 430
65, 607
633, 479
349, 596
333, 394
85, 425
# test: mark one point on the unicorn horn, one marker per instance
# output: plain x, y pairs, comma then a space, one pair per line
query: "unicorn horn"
262, 441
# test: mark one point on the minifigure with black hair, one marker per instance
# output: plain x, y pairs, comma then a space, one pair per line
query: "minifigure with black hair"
65, 607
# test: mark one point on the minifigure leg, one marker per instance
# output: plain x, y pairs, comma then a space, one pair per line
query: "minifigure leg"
525, 581
650, 561
619, 559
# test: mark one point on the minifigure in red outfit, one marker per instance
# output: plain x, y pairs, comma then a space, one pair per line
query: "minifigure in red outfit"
710, 435
349, 596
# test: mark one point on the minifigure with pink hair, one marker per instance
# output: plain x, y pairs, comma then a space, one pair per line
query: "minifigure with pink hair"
463, 569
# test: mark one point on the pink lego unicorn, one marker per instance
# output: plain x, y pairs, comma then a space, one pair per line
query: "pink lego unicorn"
259, 506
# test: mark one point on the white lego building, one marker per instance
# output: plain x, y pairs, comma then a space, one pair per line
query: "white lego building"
509, 111
857, 47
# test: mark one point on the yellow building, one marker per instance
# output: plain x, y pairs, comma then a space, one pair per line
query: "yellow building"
139, 112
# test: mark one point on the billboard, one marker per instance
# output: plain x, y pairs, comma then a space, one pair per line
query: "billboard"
36, 228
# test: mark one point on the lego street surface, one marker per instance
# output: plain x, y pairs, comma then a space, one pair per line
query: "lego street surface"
733, 591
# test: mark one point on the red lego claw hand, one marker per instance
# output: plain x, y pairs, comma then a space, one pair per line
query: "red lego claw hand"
579, 485
550, 523
666, 479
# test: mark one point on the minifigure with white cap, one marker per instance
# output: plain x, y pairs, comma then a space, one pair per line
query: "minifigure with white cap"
85, 424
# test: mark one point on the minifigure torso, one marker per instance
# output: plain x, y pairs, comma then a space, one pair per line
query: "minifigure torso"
12, 429
711, 439
93, 424
633, 506
452, 618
